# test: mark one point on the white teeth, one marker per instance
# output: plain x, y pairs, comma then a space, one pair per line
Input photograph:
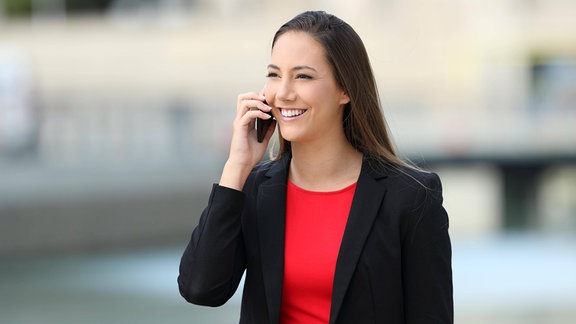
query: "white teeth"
292, 112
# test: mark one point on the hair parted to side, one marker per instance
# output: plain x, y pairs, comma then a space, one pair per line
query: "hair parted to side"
364, 123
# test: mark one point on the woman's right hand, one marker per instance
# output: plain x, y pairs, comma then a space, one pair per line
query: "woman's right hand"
245, 150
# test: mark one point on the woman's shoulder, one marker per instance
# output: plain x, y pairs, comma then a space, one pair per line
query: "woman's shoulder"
406, 176
263, 167
413, 190
263, 171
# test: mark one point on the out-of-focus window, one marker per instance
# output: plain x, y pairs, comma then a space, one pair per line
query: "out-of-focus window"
18, 116
553, 84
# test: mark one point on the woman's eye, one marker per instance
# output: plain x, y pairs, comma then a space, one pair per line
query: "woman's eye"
272, 75
303, 76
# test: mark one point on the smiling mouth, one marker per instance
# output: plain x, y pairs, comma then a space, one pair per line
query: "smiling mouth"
292, 112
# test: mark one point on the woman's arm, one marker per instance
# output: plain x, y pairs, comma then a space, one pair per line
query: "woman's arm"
427, 257
214, 260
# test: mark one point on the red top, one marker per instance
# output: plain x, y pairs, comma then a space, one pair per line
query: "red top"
315, 223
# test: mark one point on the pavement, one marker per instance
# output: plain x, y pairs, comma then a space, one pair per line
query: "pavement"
500, 280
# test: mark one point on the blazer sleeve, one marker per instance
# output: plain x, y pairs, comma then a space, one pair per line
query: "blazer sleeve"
427, 258
214, 260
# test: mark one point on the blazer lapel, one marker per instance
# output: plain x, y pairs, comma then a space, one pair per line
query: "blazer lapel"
271, 227
365, 206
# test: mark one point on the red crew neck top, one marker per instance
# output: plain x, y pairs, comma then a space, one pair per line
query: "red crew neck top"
315, 223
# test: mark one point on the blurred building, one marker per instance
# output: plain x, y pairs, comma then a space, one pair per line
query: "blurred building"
483, 92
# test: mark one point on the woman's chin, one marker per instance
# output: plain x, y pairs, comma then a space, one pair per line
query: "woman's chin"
289, 135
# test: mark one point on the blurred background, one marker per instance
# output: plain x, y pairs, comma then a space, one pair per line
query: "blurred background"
115, 119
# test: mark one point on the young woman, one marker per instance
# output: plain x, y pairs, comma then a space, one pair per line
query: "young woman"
337, 228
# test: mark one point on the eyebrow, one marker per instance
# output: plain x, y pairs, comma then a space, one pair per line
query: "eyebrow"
296, 68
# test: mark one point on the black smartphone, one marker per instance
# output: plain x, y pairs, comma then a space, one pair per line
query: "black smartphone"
262, 126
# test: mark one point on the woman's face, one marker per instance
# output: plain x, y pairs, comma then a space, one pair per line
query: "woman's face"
302, 90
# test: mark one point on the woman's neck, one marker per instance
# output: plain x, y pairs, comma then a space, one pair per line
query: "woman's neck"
324, 167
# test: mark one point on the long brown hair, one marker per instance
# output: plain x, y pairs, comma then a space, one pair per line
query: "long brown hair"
364, 123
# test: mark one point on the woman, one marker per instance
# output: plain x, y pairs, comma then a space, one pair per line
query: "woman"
336, 229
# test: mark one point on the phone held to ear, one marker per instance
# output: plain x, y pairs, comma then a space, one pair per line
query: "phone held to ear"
262, 126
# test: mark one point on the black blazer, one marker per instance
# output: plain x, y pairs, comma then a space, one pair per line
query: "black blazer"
394, 264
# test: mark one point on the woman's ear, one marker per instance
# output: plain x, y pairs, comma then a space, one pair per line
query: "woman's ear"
344, 98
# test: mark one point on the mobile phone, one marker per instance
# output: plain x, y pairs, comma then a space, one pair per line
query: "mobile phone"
262, 126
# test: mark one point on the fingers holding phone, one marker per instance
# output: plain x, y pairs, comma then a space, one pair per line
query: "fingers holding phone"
254, 114
264, 125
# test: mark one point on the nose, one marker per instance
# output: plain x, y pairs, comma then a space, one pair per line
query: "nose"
285, 91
